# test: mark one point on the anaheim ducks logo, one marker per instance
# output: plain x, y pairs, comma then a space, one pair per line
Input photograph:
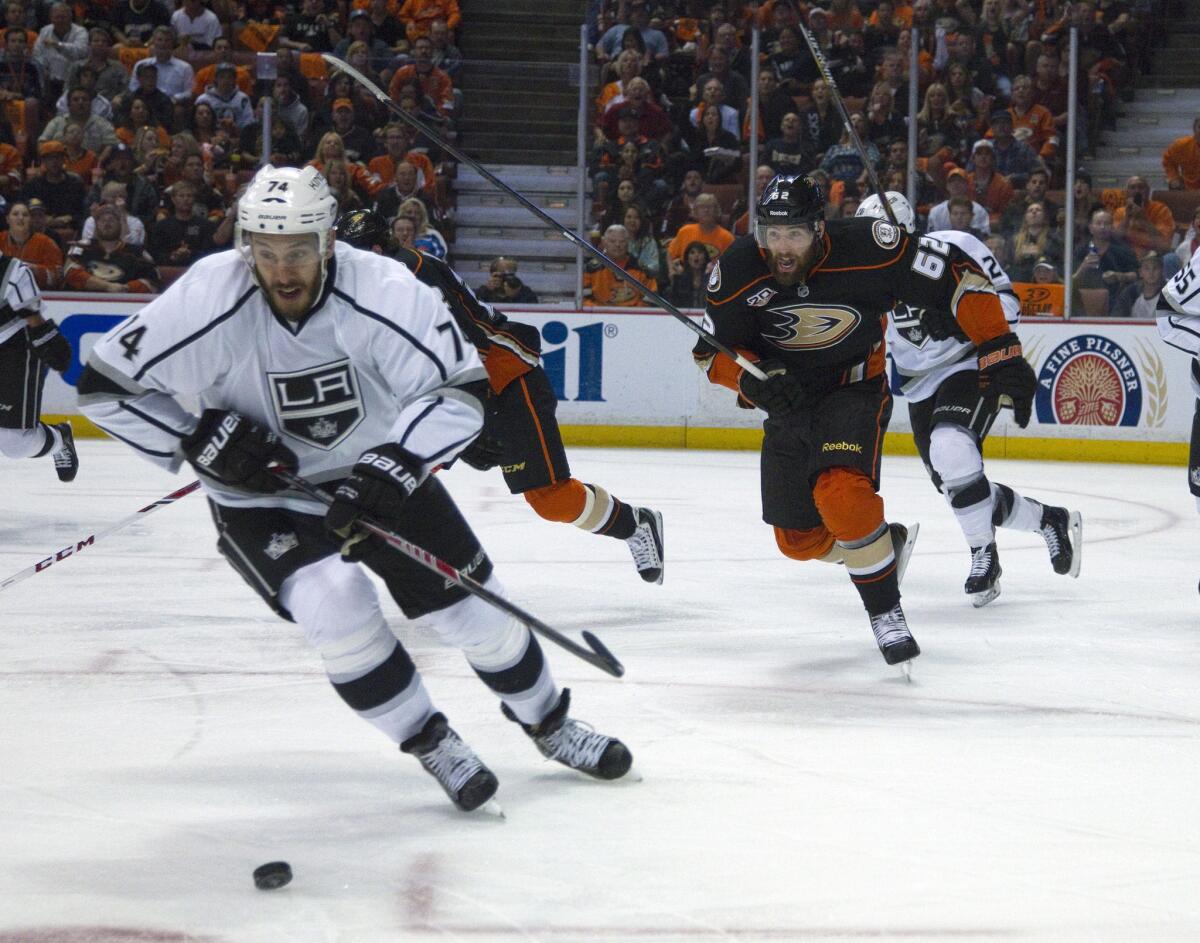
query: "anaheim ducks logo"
812, 327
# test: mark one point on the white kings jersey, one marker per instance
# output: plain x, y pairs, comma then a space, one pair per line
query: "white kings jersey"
924, 363
19, 296
378, 361
1179, 320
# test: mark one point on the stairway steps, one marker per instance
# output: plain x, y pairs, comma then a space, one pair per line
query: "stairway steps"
492, 246
492, 216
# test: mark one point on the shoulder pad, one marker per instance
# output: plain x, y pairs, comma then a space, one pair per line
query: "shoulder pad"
862, 243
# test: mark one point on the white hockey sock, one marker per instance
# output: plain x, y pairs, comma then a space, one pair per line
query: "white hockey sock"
1015, 512
29, 443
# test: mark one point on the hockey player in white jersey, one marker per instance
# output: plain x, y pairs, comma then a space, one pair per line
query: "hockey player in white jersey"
1179, 325
30, 346
950, 419
338, 364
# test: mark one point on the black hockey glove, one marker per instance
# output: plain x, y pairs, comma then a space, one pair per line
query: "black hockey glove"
779, 394
237, 451
380, 482
484, 453
941, 325
49, 346
1004, 372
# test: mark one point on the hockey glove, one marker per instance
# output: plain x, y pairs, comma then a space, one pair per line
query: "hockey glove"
779, 394
49, 346
941, 325
237, 451
1004, 372
484, 453
380, 482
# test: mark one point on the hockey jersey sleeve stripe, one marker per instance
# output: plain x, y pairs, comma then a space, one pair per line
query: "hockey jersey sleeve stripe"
441, 367
140, 448
417, 420
737, 294
146, 417
192, 338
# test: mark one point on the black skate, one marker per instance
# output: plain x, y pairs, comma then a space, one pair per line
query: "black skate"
467, 782
646, 544
903, 541
892, 635
1063, 532
983, 582
575, 744
66, 459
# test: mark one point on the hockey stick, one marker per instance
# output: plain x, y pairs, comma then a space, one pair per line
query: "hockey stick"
71, 550
823, 66
339, 66
596, 654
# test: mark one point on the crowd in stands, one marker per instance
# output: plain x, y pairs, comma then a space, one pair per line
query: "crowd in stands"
129, 127
671, 129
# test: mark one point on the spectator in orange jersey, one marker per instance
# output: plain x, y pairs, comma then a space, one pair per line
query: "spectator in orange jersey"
1147, 225
79, 159
418, 16
601, 288
1181, 161
36, 250
223, 48
705, 230
330, 147
1032, 123
107, 264
629, 67
987, 186
397, 140
433, 82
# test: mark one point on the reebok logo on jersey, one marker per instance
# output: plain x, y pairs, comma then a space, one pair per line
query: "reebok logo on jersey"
812, 327
320, 405
842, 447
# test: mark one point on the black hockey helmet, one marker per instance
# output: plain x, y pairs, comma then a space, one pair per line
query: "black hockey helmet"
364, 229
789, 201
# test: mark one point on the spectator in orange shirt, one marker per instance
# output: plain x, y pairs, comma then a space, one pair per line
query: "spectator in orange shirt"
12, 170
418, 16
1032, 123
629, 67
223, 48
79, 160
433, 81
36, 250
986, 185
706, 230
601, 288
1147, 225
1181, 161
397, 139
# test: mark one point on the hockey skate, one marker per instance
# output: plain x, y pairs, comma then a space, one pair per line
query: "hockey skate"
575, 744
983, 582
66, 459
892, 635
646, 544
903, 541
445, 756
1063, 532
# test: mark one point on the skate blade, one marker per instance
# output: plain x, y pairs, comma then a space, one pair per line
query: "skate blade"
979, 600
1075, 525
906, 551
492, 809
906, 670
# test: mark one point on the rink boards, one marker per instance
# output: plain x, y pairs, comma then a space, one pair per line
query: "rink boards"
1107, 390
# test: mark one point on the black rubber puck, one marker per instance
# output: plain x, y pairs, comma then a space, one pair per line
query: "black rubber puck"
272, 875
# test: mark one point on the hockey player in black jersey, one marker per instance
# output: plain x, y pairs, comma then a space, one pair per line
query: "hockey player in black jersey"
30, 347
520, 432
950, 419
807, 299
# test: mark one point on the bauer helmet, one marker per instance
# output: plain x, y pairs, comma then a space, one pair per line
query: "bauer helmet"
364, 229
287, 201
872, 208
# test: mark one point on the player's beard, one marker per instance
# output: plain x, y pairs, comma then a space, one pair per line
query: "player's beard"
291, 298
800, 265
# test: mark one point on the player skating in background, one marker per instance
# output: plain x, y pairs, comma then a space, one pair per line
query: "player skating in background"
807, 299
1179, 325
951, 416
339, 364
30, 346
520, 433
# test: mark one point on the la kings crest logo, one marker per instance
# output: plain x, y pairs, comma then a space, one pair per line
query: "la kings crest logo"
907, 321
320, 405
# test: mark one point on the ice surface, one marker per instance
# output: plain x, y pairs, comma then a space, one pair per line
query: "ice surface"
162, 733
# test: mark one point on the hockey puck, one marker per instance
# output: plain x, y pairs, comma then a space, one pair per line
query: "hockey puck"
272, 875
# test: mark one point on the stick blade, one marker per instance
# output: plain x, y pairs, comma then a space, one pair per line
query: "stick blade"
610, 663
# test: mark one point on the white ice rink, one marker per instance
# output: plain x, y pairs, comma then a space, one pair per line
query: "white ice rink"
162, 733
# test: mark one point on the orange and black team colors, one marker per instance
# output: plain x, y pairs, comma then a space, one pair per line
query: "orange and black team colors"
819, 333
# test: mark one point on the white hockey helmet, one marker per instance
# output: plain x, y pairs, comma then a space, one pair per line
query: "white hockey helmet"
286, 201
872, 207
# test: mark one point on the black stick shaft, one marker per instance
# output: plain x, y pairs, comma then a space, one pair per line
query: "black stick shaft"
599, 656
339, 66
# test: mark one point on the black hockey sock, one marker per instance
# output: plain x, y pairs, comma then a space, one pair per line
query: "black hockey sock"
51, 439
380, 685
518, 677
621, 522
871, 564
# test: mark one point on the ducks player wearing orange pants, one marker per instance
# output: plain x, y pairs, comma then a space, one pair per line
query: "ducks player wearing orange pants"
520, 432
807, 299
